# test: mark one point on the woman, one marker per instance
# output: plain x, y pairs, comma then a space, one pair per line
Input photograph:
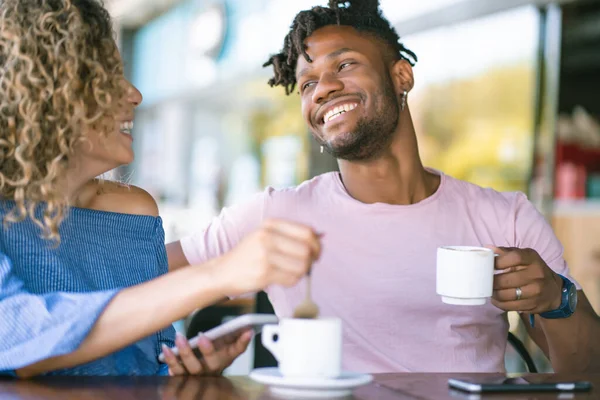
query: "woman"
83, 282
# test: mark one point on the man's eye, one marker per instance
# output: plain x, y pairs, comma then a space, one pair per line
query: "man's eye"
307, 85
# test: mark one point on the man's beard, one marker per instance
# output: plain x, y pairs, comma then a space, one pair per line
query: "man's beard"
372, 135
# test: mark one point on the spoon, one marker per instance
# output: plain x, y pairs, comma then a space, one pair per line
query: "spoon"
307, 309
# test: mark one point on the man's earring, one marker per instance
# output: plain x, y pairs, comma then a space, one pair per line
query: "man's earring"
403, 105
321, 149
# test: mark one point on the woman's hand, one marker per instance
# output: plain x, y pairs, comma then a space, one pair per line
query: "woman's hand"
215, 356
279, 252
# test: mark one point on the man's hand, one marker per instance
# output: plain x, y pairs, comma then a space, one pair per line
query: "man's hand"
215, 356
524, 273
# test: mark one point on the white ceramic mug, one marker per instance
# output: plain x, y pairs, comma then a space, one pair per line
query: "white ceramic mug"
306, 348
465, 274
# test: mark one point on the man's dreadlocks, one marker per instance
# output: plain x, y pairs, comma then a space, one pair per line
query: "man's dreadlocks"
362, 15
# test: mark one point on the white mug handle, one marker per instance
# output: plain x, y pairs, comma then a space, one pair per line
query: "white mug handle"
268, 332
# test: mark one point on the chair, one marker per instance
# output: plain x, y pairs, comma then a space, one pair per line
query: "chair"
519, 347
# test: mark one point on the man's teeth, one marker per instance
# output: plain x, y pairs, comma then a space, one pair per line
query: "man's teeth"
127, 127
337, 111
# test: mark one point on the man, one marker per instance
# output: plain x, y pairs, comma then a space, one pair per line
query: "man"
384, 215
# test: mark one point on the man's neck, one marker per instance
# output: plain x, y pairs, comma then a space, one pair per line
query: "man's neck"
395, 177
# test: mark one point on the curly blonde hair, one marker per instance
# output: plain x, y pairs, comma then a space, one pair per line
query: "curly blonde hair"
60, 72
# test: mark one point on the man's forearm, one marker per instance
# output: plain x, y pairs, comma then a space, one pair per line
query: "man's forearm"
573, 343
176, 256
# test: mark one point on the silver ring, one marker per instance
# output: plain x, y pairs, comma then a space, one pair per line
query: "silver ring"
519, 292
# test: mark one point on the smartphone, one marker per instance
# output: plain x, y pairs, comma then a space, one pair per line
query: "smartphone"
543, 383
229, 331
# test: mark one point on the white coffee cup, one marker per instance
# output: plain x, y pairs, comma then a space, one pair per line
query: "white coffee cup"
465, 274
306, 348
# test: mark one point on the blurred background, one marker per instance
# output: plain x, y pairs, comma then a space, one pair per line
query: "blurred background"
505, 96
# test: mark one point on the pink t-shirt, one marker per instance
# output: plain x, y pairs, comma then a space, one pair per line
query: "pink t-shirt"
377, 271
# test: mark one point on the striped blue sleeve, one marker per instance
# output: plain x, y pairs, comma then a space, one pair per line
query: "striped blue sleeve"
37, 327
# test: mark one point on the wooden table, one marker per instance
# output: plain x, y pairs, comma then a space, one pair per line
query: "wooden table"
384, 387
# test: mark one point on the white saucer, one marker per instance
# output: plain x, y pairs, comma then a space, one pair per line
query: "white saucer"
310, 387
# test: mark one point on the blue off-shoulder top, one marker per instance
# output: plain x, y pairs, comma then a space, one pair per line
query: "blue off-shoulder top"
51, 296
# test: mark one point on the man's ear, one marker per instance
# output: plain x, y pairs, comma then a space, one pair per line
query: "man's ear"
402, 76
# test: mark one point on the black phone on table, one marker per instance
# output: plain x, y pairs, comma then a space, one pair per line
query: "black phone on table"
531, 383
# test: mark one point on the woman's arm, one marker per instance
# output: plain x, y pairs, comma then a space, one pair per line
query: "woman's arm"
139, 311
278, 253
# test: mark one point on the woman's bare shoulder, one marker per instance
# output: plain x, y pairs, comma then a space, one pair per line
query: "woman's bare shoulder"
111, 196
